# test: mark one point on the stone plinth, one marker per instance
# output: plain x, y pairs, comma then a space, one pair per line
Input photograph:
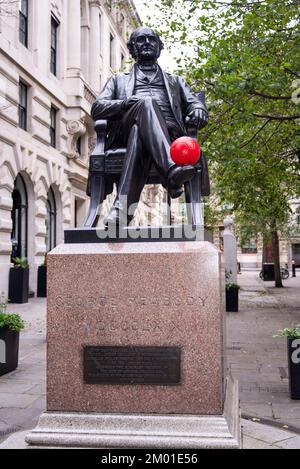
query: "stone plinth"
146, 294
162, 294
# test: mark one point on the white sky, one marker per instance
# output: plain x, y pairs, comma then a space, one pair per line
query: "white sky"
166, 61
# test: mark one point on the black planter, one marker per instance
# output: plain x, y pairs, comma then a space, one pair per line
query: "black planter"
294, 367
9, 350
42, 281
232, 300
18, 285
268, 272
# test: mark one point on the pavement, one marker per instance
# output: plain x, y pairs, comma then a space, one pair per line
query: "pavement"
255, 357
271, 420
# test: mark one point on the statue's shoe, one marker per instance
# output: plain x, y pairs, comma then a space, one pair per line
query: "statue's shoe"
178, 175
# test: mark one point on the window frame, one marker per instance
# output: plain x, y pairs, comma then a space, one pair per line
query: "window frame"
248, 247
23, 20
53, 45
53, 128
51, 221
23, 105
19, 215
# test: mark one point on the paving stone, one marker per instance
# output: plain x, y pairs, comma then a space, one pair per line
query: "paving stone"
14, 388
292, 443
250, 344
252, 443
266, 433
16, 400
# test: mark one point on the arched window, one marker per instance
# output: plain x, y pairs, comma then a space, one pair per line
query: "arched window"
19, 234
51, 221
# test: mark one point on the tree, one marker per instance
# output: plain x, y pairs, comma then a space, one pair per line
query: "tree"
246, 55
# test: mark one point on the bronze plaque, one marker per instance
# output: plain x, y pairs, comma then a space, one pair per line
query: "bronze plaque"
132, 365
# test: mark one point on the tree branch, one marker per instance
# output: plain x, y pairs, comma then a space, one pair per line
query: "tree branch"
267, 96
256, 134
277, 118
291, 72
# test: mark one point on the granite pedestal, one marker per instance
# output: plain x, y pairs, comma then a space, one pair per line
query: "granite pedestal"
135, 295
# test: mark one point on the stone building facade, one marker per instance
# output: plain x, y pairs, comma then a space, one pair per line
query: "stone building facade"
55, 56
250, 254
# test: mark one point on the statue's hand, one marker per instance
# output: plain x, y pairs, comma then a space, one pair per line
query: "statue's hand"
198, 118
128, 103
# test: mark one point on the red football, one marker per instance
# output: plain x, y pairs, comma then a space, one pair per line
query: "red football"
185, 150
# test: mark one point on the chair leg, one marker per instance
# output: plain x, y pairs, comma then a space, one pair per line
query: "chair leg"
97, 197
193, 199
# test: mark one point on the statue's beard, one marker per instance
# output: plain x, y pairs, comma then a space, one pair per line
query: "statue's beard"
147, 58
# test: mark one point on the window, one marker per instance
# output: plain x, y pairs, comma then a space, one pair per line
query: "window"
78, 145
250, 246
23, 91
53, 114
19, 217
112, 55
51, 221
53, 54
23, 22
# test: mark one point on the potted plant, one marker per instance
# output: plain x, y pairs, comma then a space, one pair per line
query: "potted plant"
10, 327
232, 293
293, 344
19, 281
232, 297
42, 280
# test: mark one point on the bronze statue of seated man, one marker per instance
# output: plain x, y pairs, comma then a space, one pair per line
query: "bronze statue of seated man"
147, 109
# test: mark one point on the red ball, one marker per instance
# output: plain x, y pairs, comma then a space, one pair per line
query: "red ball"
185, 151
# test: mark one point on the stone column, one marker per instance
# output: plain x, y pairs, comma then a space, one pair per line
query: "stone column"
95, 46
230, 251
74, 36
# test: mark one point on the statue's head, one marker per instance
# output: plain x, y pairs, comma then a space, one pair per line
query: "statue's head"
145, 45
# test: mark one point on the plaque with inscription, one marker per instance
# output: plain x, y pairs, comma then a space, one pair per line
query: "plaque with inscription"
132, 365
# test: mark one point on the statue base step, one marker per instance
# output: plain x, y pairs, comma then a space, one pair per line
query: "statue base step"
98, 430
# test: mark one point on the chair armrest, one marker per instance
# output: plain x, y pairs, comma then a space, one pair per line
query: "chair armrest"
101, 128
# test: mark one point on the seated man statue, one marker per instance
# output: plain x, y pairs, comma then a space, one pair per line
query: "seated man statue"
147, 110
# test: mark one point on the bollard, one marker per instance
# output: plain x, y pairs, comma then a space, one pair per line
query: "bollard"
293, 268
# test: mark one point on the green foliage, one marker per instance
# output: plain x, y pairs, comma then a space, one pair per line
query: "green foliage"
12, 321
21, 262
232, 286
293, 333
